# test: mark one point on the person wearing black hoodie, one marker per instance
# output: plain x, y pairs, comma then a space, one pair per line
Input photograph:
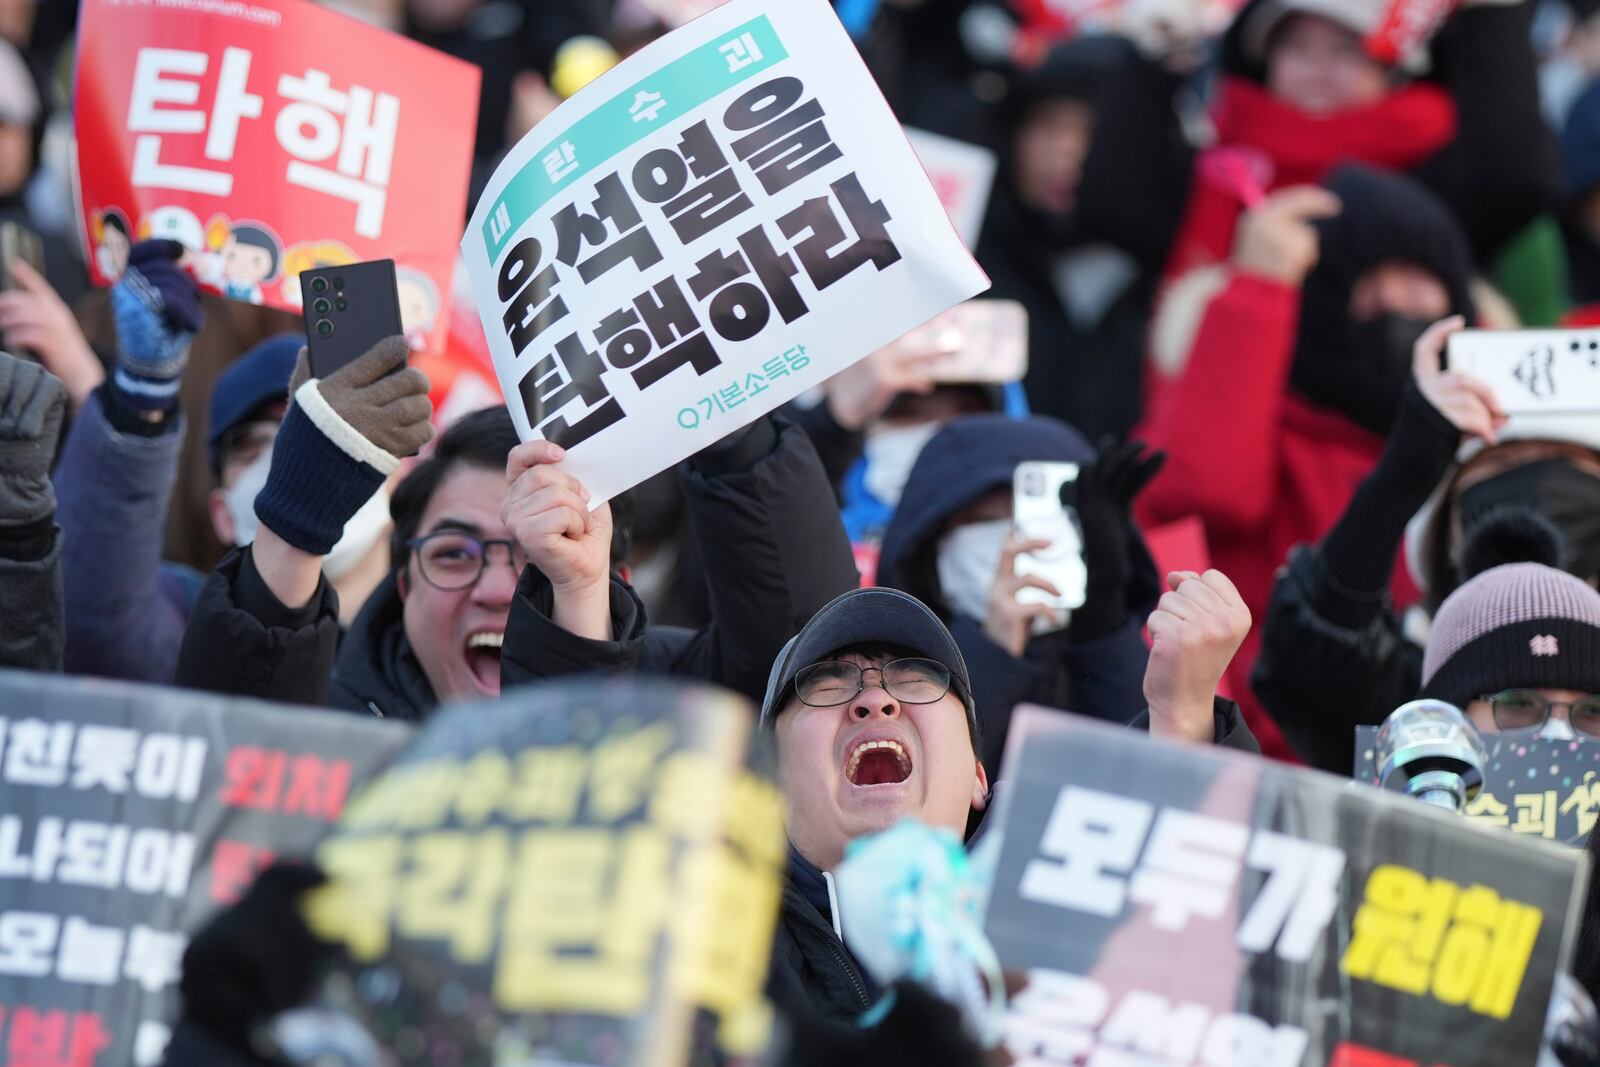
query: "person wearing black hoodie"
1088, 302
950, 544
463, 615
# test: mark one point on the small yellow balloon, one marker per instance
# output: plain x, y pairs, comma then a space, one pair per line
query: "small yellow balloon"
579, 62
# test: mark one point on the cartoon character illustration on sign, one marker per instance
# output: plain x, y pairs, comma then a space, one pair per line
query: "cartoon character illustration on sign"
174, 224
252, 256
112, 239
419, 305
309, 255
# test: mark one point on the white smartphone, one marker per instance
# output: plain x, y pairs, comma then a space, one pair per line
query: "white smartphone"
1042, 496
1533, 372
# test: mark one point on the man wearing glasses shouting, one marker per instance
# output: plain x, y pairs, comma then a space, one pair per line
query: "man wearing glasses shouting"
501, 573
873, 713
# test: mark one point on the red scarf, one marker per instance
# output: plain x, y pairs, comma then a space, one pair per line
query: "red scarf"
1398, 132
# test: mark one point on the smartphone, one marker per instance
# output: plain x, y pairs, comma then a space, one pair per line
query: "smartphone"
981, 341
347, 310
18, 243
1533, 372
1042, 499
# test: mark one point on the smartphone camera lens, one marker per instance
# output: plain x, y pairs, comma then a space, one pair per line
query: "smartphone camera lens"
324, 328
341, 303
319, 285
321, 305
338, 282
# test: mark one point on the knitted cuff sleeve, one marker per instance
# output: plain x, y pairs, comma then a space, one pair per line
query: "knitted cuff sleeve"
315, 486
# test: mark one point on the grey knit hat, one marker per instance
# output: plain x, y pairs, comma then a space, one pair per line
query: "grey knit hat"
1523, 625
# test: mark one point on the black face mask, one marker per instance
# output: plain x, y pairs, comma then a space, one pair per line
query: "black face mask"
1566, 496
1363, 374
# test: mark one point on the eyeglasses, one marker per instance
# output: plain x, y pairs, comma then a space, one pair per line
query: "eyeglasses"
833, 682
451, 560
1523, 710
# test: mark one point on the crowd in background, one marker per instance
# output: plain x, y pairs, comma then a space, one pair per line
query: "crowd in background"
1242, 239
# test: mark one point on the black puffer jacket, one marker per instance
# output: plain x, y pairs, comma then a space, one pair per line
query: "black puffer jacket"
774, 556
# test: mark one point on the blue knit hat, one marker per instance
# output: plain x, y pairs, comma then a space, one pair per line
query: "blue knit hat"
258, 377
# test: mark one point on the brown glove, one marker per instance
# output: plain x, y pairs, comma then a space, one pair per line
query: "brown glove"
388, 407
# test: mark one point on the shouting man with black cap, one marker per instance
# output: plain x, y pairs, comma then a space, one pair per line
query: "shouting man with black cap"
872, 707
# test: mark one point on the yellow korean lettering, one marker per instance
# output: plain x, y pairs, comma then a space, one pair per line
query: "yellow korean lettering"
354, 907
549, 785
1584, 799
1398, 929
1536, 813
452, 890
485, 781
1485, 808
430, 790
622, 769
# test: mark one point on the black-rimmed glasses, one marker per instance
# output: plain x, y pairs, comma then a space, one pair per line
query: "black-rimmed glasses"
833, 682
451, 560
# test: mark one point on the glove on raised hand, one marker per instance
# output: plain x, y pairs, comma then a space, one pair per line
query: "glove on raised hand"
157, 311
342, 437
32, 405
255, 959
1105, 491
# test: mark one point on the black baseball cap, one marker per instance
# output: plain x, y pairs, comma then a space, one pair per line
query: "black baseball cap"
871, 616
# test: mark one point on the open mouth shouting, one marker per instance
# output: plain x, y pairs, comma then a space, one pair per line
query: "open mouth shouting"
482, 654
877, 761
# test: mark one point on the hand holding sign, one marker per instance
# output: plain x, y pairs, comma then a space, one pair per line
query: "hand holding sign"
548, 513
1465, 400
1194, 631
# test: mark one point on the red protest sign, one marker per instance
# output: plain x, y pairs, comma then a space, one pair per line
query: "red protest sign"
270, 137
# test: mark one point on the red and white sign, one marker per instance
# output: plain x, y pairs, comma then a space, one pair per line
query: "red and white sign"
962, 174
270, 137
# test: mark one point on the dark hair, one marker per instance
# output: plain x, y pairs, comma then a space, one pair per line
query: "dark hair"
480, 440
116, 220
256, 236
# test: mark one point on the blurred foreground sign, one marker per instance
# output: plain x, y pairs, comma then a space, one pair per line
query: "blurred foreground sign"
1199, 906
582, 873
129, 814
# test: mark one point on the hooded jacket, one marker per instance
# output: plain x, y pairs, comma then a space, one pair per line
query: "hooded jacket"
1088, 302
775, 553
1263, 467
964, 462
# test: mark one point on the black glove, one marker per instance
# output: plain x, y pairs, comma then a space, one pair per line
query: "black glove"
1106, 488
256, 959
919, 1029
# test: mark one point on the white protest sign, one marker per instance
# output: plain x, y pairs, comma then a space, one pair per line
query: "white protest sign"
720, 222
962, 175
1533, 372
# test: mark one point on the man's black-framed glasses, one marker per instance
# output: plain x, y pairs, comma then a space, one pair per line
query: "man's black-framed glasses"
452, 560
832, 682
1526, 710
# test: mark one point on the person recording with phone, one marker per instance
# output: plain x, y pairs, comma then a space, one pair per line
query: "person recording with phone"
954, 543
1453, 464
501, 572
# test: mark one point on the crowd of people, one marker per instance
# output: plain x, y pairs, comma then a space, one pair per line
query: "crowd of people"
1243, 244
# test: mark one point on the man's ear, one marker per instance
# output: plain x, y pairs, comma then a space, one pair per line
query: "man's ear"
980, 789
402, 580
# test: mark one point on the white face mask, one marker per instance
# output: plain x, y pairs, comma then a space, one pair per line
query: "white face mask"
969, 562
890, 455
363, 530
1555, 729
